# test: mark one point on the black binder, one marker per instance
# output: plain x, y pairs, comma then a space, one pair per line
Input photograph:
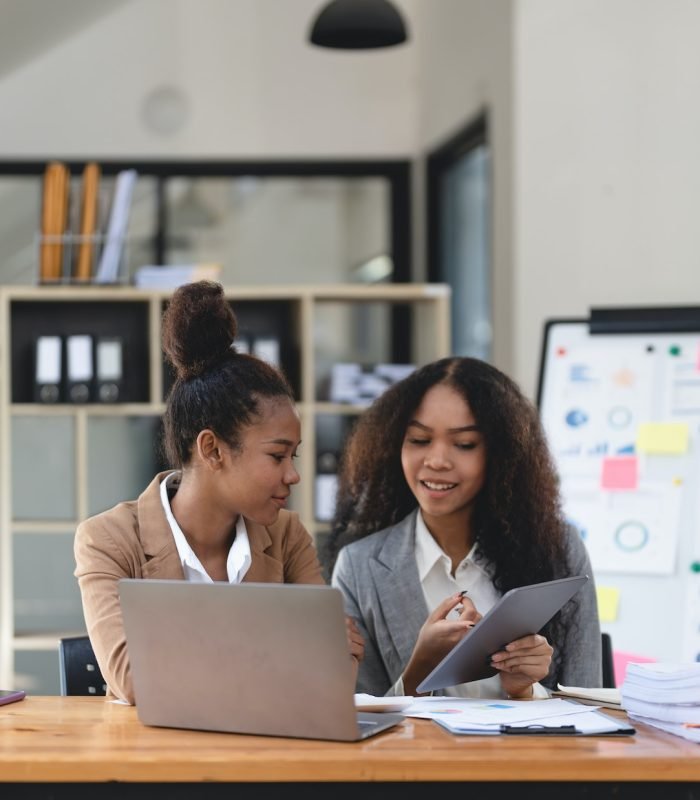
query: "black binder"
79, 368
48, 369
109, 369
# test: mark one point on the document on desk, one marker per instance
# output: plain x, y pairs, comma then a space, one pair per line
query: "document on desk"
369, 702
487, 712
687, 731
603, 698
484, 717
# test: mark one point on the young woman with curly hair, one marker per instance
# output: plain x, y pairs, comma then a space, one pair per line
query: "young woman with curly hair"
231, 434
446, 485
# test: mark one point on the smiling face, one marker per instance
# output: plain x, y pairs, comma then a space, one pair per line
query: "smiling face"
444, 457
257, 477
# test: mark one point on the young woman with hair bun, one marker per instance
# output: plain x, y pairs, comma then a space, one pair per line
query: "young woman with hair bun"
231, 434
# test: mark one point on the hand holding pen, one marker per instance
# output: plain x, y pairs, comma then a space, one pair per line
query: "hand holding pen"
438, 636
467, 610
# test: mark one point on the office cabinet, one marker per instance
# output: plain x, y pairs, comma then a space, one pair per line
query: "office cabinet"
61, 462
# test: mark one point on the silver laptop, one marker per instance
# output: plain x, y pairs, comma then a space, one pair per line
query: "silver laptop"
259, 658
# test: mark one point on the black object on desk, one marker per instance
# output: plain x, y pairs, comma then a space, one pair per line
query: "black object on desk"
539, 729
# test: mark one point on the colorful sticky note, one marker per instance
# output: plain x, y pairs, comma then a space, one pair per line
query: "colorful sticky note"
621, 660
608, 602
619, 472
663, 438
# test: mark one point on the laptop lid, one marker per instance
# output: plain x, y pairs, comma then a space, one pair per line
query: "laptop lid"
257, 658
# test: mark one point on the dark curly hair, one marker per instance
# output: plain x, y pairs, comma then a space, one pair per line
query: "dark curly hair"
517, 519
216, 387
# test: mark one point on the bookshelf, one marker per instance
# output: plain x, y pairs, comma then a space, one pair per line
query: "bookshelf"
62, 462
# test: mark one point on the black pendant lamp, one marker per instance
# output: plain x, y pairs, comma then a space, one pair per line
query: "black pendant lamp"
358, 25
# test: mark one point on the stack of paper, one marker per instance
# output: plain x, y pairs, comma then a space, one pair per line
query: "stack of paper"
664, 695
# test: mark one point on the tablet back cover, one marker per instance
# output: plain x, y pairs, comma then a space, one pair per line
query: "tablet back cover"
518, 613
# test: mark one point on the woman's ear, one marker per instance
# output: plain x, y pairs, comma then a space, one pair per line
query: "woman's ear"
209, 450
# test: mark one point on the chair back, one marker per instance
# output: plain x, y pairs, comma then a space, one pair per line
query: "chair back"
79, 672
608, 663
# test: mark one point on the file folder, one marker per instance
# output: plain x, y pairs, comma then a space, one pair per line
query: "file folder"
593, 724
589, 723
109, 369
79, 368
48, 367
84, 265
267, 349
54, 217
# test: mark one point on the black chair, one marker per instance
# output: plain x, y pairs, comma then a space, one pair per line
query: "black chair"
79, 672
608, 664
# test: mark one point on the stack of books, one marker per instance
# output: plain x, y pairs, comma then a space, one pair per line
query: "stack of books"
664, 695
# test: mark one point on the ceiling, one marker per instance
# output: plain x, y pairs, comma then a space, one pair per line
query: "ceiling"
30, 27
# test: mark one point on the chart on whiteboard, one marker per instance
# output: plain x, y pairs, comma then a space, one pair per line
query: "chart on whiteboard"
622, 416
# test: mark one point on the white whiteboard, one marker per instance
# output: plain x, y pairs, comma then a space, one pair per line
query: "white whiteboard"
622, 416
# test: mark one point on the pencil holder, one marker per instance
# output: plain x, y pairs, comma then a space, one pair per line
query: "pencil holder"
78, 259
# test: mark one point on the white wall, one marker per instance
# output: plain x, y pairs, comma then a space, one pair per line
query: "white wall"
253, 85
607, 181
595, 124
593, 106
465, 56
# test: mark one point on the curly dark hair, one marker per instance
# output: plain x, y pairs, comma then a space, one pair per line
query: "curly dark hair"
517, 519
216, 387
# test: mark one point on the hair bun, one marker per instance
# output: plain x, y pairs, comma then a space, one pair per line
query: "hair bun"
199, 327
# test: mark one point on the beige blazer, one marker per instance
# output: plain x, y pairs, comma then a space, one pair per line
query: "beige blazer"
134, 540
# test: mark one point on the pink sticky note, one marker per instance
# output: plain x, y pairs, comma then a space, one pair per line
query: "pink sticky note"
621, 660
619, 472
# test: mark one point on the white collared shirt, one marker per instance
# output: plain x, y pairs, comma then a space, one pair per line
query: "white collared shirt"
239, 557
435, 572
438, 583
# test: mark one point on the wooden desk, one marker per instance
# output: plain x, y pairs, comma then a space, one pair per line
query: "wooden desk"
50, 745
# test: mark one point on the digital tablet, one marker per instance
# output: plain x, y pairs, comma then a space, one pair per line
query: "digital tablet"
518, 613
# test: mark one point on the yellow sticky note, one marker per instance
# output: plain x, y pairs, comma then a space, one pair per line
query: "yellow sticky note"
608, 601
663, 438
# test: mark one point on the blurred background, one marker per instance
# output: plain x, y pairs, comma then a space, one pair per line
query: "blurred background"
591, 115
538, 156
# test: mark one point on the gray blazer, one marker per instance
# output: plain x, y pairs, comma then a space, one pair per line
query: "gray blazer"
379, 578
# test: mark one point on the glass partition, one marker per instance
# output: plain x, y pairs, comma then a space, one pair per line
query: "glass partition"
264, 222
